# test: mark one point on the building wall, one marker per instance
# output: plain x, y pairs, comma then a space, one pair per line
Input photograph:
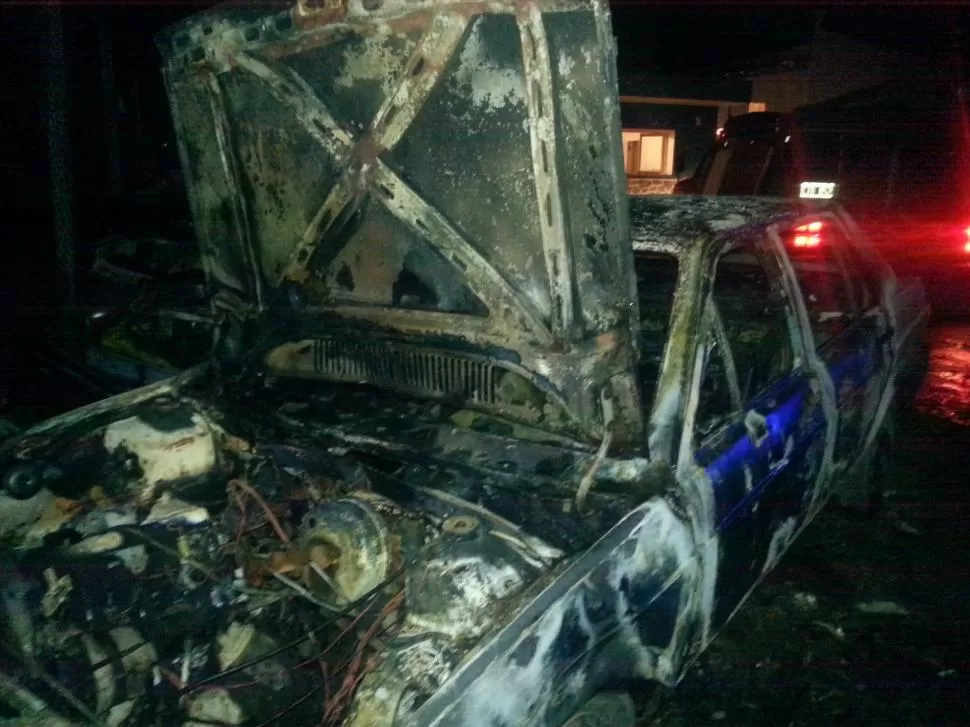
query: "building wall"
691, 107
694, 127
642, 186
692, 124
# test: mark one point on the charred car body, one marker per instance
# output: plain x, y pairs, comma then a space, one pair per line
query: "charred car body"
465, 455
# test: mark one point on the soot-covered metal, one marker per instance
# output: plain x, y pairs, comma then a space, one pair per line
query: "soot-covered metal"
372, 165
192, 558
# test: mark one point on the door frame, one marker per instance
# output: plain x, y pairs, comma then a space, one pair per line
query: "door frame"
811, 362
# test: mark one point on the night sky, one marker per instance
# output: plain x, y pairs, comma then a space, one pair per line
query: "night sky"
676, 37
707, 37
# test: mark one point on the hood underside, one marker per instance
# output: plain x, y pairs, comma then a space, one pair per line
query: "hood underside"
448, 169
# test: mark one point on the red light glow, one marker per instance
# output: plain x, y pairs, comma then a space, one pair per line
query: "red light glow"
810, 235
966, 245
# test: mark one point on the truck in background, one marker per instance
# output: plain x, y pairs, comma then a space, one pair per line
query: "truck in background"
896, 157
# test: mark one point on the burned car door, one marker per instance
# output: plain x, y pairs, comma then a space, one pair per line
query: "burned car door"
760, 428
851, 333
871, 319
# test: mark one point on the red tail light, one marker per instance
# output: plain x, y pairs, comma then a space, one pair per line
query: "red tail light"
810, 235
966, 245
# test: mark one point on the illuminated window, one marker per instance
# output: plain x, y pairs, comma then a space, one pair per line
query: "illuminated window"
648, 152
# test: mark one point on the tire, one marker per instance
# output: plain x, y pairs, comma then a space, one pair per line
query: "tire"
606, 709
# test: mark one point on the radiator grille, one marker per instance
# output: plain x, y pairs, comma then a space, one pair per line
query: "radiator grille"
423, 372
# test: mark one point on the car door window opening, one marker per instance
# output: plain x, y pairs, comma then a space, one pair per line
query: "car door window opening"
657, 277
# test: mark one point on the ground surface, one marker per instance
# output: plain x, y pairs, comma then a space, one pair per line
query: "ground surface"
808, 648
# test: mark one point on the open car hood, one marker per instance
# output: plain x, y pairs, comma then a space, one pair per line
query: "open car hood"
443, 171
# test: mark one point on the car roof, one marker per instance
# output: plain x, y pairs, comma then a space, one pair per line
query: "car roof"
676, 223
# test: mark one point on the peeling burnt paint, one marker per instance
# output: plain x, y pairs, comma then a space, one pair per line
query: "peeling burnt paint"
444, 537
365, 92
678, 223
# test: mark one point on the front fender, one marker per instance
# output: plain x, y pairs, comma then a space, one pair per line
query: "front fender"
632, 605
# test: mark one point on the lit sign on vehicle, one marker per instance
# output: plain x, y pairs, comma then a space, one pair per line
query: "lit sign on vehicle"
817, 190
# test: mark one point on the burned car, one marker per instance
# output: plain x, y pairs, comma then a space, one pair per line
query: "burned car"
481, 440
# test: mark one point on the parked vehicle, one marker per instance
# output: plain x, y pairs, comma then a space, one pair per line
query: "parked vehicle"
896, 156
460, 457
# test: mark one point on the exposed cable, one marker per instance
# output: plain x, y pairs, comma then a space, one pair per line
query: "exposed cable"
586, 484
301, 639
270, 516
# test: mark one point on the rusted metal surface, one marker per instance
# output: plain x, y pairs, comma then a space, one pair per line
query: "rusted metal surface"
431, 560
382, 179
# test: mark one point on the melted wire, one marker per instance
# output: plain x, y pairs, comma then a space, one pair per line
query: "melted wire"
335, 706
586, 484
270, 515
365, 600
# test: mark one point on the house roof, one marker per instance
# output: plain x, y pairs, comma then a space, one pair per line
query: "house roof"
892, 103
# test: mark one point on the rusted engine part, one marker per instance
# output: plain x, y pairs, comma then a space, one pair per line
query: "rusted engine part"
163, 568
455, 583
236, 655
132, 460
485, 464
164, 445
304, 525
455, 593
100, 612
353, 545
255, 682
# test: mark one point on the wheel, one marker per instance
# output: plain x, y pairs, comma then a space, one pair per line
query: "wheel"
606, 709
